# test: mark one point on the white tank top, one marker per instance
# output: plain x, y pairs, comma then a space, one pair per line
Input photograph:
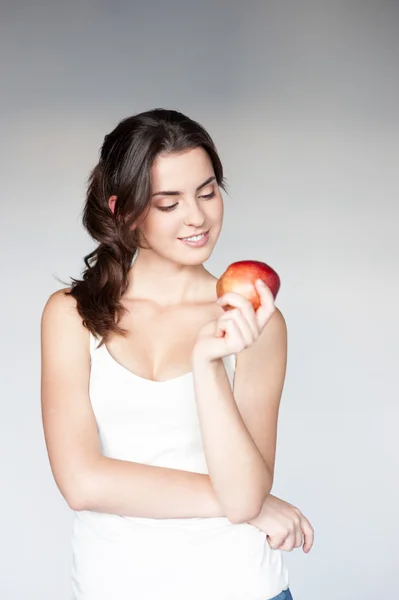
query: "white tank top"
115, 557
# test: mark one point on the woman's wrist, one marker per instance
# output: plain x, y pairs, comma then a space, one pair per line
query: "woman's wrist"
200, 356
203, 366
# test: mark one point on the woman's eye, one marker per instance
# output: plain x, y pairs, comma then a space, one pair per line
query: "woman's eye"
167, 207
172, 206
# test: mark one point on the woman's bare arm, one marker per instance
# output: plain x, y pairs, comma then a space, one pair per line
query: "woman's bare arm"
239, 425
87, 479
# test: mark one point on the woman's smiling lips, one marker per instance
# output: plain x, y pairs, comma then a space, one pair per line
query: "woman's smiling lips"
196, 244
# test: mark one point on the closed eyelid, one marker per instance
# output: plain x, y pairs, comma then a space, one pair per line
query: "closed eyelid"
172, 206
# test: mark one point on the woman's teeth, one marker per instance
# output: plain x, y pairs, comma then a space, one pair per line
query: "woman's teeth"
195, 238
197, 241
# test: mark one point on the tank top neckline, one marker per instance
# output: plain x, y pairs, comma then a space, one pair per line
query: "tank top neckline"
131, 374
139, 377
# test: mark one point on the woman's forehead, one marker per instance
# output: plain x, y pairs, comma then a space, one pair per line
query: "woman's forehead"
175, 172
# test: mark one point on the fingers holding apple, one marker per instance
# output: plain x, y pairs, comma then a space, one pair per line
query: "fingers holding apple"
254, 281
236, 324
240, 277
242, 307
231, 333
267, 306
248, 305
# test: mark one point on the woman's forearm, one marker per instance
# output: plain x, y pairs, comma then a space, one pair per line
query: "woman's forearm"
138, 490
238, 472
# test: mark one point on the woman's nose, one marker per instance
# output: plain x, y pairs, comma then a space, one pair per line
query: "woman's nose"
194, 215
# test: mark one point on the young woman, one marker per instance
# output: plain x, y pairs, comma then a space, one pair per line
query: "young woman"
160, 408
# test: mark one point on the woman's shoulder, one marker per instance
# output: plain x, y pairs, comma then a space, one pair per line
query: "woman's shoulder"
60, 302
60, 314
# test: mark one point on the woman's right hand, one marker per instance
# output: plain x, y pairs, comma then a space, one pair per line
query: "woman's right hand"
284, 525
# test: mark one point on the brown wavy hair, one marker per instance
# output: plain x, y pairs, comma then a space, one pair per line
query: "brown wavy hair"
124, 170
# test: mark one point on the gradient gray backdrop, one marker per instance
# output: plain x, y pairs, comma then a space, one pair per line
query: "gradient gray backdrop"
302, 101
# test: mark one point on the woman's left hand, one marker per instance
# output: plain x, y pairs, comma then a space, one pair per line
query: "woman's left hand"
285, 526
237, 328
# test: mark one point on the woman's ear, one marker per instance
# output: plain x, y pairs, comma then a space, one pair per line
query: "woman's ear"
111, 203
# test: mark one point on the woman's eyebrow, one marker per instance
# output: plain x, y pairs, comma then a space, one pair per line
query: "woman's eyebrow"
170, 193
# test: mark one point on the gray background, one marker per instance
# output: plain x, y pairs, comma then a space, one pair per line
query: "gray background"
302, 101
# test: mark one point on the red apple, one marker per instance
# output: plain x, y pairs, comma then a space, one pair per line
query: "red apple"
240, 277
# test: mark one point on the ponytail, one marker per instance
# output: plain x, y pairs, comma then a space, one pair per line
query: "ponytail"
104, 279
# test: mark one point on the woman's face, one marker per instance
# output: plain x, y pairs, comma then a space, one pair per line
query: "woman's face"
191, 211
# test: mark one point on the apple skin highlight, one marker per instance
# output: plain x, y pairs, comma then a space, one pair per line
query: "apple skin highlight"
240, 277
